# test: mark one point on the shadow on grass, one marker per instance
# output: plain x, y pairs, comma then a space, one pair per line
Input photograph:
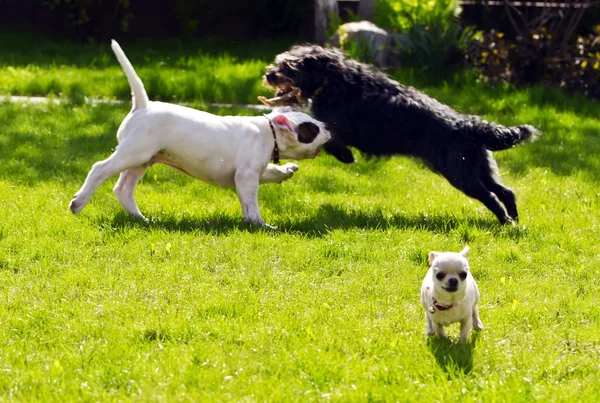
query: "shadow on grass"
453, 357
49, 144
26, 48
218, 224
325, 219
330, 217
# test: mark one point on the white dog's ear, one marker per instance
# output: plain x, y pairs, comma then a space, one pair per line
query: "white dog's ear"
432, 256
282, 122
465, 252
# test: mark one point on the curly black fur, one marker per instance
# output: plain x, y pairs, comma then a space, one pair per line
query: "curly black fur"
380, 117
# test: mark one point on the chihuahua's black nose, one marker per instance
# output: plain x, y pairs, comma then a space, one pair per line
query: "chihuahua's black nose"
271, 76
453, 282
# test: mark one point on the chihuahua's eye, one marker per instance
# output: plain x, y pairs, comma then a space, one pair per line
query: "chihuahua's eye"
440, 276
463, 275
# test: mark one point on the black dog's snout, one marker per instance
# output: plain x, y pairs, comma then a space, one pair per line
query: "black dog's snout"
452, 282
271, 76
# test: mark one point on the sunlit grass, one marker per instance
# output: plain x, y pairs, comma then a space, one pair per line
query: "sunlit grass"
197, 306
207, 71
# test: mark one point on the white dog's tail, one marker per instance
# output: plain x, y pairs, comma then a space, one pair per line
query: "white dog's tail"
139, 98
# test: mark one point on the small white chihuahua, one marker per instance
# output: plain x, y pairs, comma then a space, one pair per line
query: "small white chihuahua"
449, 294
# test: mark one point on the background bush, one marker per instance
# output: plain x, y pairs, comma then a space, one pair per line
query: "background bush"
535, 59
430, 36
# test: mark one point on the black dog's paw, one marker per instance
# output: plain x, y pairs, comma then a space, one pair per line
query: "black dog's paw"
339, 151
345, 156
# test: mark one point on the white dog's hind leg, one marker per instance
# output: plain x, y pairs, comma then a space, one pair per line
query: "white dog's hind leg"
123, 158
246, 185
277, 174
126, 185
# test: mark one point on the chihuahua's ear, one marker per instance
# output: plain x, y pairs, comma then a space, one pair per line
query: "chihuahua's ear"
465, 252
432, 256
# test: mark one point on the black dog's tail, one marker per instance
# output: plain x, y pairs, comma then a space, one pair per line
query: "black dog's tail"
497, 137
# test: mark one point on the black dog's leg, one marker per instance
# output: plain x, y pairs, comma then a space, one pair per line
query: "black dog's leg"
488, 175
506, 196
339, 151
477, 190
471, 171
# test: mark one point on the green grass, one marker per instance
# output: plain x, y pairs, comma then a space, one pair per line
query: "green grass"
207, 71
196, 306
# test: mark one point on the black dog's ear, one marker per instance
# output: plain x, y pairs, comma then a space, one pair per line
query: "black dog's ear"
308, 132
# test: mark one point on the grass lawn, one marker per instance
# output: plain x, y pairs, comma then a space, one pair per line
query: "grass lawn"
209, 71
196, 306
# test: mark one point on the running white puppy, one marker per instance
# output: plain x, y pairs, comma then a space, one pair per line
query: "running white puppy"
449, 294
225, 151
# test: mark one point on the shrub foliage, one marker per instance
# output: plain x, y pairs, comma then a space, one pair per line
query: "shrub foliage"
534, 59
429, 33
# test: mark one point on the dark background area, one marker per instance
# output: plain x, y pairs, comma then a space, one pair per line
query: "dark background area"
491, 14
101, 19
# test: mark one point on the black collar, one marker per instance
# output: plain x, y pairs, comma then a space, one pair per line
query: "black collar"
275, 147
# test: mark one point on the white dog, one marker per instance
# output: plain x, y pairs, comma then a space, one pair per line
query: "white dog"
225, 151
449, 294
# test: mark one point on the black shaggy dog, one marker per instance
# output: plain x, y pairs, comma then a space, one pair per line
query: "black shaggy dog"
380, 117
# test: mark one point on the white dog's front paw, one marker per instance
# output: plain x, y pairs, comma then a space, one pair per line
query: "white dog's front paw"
290, 167
259, 222
140, 217
478, 325
76, 205
288, 170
